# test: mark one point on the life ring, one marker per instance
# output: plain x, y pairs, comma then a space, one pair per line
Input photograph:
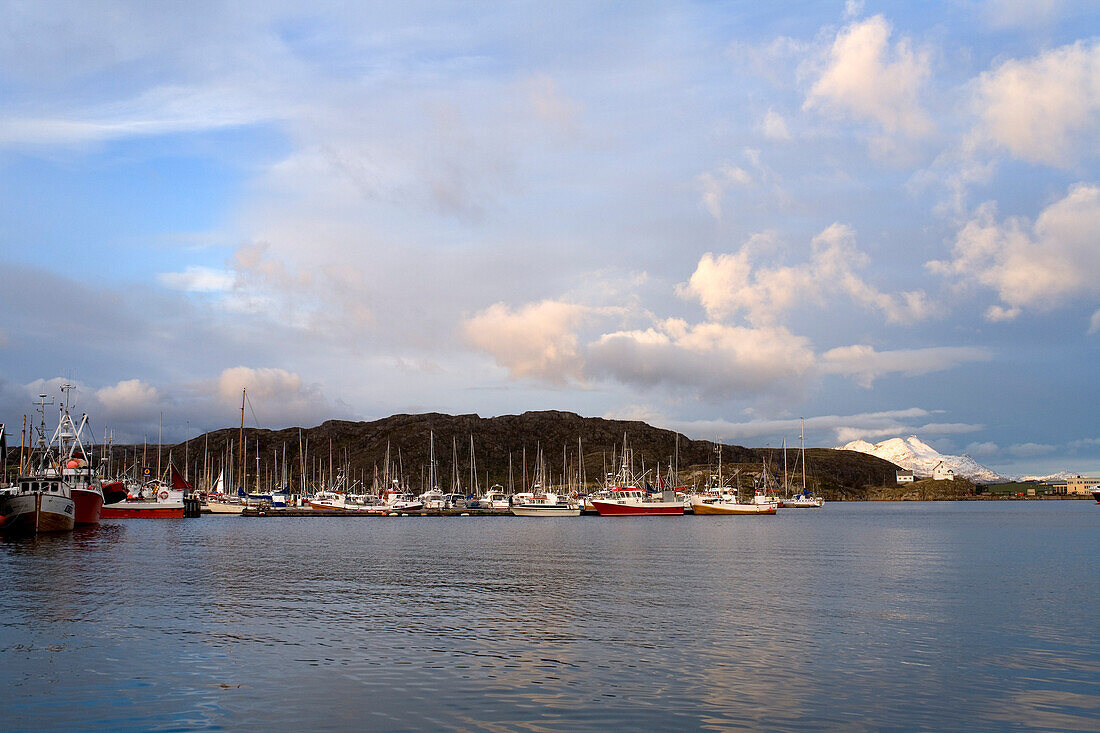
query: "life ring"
163, 496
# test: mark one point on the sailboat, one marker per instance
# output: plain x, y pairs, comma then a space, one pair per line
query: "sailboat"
218, 503
540, 503
804, 500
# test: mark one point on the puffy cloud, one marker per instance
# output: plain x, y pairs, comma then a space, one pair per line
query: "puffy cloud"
198, 279
129, 399
711, 358
867, 365
277, 397
1045, 109
864, 79
729, 284
983, 450
1094, 323
1036, 266
538, 340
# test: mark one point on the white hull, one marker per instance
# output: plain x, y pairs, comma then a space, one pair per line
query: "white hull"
546, 510
221, 507
807, 503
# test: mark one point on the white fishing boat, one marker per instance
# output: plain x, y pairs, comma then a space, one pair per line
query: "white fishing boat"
542, 504
715, 503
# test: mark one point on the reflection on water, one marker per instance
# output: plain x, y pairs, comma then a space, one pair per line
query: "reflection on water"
860, 616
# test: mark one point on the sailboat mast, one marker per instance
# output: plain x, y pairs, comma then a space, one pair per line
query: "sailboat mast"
240, 441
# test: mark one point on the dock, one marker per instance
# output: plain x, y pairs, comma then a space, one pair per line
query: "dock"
307, 512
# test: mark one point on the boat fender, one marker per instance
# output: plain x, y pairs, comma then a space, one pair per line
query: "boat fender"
164, 496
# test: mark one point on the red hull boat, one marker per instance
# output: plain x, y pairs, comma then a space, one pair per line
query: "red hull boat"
89, 503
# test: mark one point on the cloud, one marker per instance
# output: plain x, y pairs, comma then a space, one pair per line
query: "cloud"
714, 186
197, 279
864, 79
159, 111
1094, 324
712, 359
983, 450
775, 126
129, 399
1039, 266
727, 285
1044, 109
840, 428
867, 365
1026, 14
538, 340
1031, 450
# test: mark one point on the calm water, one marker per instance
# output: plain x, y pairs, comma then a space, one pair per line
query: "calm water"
856, 616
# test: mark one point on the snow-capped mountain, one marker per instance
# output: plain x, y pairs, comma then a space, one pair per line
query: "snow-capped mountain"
917, 456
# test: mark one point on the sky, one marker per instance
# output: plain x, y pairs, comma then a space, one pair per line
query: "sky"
719, 218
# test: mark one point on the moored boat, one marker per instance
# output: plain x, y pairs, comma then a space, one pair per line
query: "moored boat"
156, 501
37, 504
728, 504
541, 504
632, 502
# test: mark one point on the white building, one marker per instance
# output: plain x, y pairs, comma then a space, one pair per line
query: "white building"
905, 477
942, 473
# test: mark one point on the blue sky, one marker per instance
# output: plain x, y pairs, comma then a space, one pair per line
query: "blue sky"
718, 217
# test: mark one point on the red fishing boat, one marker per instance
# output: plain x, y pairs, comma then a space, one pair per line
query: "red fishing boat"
630, 502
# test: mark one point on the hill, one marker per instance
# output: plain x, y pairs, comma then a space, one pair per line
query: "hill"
360, 447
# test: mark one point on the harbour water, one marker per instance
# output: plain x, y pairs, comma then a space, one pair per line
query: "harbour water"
861, 616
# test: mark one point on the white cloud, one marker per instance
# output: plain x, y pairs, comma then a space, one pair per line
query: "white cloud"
841, 428
276, 397
538, 340
129, 399
864, 79
158, 111
710, 358
1030, 450
727, 285
775, 126
866, 365
1094, 323
1038, 266
983, 450
714, 185
197, 279
1044, 109
1026, 14
852, 8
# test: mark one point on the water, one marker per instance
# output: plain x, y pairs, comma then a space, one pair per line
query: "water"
945, 616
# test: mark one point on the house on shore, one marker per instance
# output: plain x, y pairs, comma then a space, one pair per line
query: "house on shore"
905, 477
942, 473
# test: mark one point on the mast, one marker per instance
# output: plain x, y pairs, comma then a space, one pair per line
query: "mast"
240, 441
802, 439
